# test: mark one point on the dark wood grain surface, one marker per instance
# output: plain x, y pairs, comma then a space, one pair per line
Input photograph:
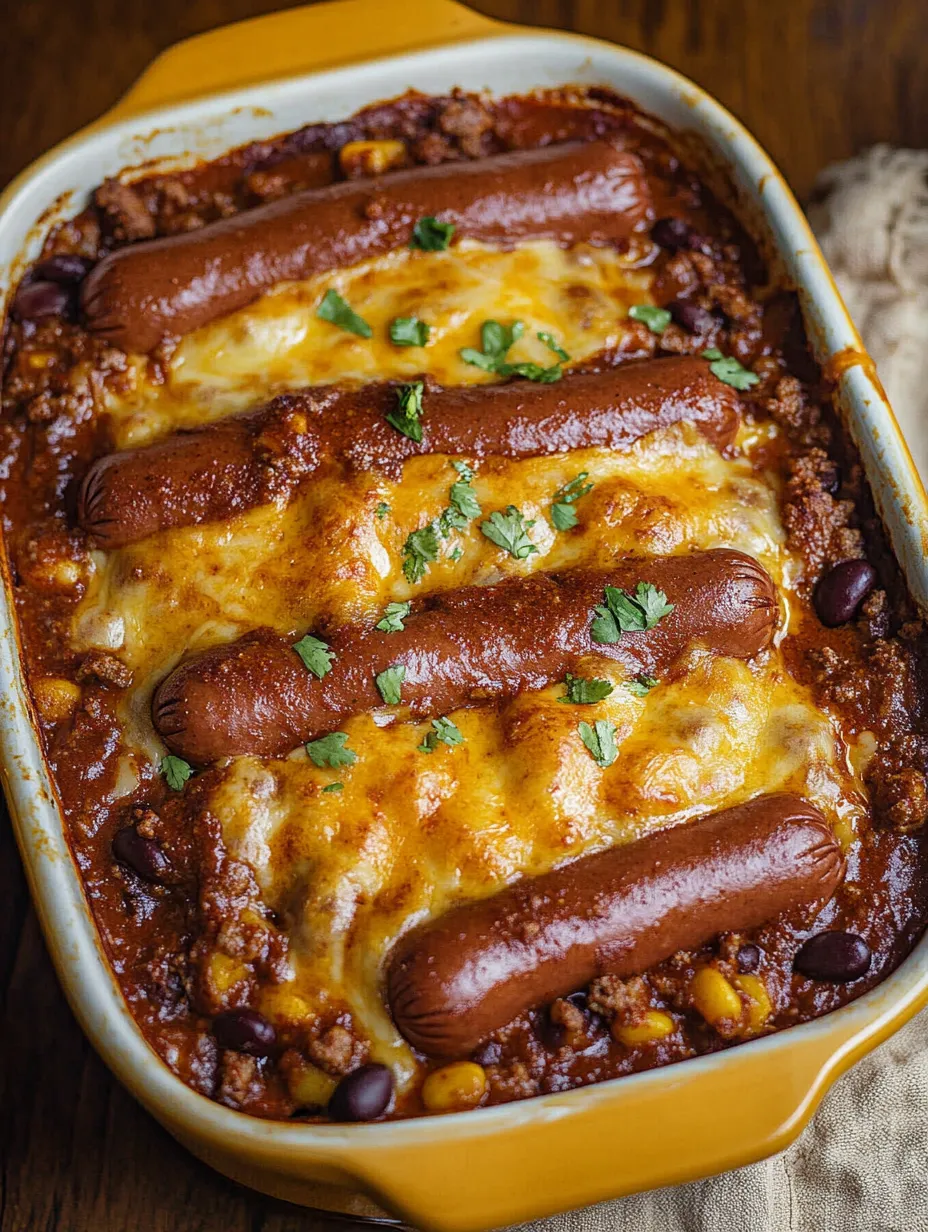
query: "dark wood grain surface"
815, 80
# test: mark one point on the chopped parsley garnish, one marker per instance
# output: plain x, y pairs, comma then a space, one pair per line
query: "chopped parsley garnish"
407, 413
390, 683
553, 345
600, 740
656, 319
381, 511
641, 685
331, 751
730, 370
456, 553
333, 787
334, 309
393, 617
176, 771
496, 339
420, 548
450, 519
625, 613
409, 331
508, 530
443, 732
431, 235
315, 655
563, 514
583, 692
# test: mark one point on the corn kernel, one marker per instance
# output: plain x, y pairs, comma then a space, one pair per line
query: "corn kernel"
460, 1085
714, 997
656, 1025
371, 157
55, 699
282, 1005
755, 993
37, 360
224, 972
309, 1086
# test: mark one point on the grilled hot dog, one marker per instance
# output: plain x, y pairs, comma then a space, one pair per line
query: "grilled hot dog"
219, 471
255, 695
454, 981
578, 191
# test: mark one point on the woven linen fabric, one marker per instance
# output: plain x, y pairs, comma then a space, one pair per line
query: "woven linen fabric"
860, 1166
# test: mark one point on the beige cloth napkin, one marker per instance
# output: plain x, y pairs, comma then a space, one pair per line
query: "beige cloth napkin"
861, 1164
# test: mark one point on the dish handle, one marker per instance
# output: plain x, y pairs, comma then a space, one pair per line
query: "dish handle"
298, 41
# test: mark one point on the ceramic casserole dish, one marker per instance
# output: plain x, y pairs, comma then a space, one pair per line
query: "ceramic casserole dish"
518, 1161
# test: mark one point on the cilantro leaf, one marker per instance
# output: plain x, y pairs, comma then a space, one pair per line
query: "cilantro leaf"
315, 654
508, 530
456, 554
334, 309
625, 613
532, 372
450, 519
495, 339
563, 515
656, 319
465, 470
409, 331
553, 345
333, 787
583, 692
407, 413
176, 771
390, 683
444, 732
730, 370
393, 617
431, 235
381, 511
478, 359
420, 548
331, 750
464, 499
600, 740
641, 685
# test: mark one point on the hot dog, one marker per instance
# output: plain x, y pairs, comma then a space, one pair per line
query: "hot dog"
454, 981
219, 471
480, 642
579, 191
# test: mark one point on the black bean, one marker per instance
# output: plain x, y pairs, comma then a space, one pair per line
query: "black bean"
580, 1000
245, 1031
835, 957
65, 267
674, 234
841, 591
143, 855
40, 299
362, 1095
550, 1033
748, 958
691, 317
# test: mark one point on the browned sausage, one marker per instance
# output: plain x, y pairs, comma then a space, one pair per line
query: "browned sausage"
454, 981
462, 646
219, 471
579, 191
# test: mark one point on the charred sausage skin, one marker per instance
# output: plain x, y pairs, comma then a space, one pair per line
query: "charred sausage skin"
578, 191
455, 980
255, 696
214, 473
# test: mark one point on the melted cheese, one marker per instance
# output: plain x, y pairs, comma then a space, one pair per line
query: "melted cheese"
410, 833
581, 296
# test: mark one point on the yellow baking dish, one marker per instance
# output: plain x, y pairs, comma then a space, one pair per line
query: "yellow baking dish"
518, 1161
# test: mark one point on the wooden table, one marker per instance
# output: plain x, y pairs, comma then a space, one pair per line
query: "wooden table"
815, 80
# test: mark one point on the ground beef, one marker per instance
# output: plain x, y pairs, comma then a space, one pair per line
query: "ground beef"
105, 669
817, 524
627, 1000
123, 212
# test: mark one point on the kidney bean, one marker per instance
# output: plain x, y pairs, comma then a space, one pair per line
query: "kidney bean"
64, 267
691, 317
833, 957
748, 958
841, 591
362, 1095
245, 1031
40, 299
143, 855
674, 234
